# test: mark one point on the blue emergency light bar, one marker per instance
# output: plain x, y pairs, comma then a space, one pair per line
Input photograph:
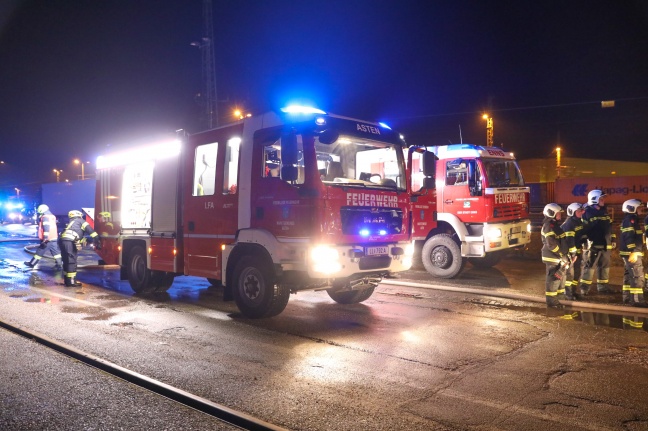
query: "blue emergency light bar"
298, 109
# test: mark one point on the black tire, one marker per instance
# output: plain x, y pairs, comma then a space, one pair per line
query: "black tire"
214, 282
351, 296
441, 256
140, 277
488, 261
162, 280
256, 293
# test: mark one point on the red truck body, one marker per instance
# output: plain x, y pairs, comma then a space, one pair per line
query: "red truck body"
270, 205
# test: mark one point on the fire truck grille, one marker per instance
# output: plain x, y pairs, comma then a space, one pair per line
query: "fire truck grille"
508, 211
371, 221
374, 262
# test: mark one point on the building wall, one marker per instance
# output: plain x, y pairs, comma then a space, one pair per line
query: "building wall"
546, 171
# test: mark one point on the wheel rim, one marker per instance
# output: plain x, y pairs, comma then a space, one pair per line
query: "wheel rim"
441, 257
251, 284
139, 266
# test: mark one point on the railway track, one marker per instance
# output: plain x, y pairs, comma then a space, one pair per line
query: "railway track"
218, 411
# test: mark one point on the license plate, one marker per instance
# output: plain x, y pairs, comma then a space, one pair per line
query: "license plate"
374, 251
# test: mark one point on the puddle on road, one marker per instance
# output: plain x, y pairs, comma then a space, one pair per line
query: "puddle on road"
619, 321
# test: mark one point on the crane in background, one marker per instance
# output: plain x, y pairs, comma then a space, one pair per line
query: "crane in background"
209, 94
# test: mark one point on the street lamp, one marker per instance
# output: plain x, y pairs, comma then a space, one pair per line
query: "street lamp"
58, 174
558, 149
489, 130
79, 162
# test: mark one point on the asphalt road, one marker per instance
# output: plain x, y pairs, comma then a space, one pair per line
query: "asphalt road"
409, 358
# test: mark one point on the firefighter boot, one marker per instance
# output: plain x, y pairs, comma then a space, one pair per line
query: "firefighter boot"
71, 282
32, 263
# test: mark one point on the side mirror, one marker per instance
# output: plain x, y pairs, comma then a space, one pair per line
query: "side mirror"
429, 164
474, 183
289, 153
289, 173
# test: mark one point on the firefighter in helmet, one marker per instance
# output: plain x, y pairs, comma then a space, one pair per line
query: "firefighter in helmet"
48, 236
600, 242
631, 251
71, 240
574, 239
553, 255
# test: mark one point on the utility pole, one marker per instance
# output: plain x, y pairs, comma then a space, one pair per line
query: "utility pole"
206, 45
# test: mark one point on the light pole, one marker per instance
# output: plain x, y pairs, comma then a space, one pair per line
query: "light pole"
489, 130
58, 174
17, 192
79, 162
558, 162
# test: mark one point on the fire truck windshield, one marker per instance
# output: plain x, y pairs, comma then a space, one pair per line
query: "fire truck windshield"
354, 161
502, 173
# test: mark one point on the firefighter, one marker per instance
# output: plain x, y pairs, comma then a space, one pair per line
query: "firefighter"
71, 240
553, 255
48, 236
645, 240
601, 241
631, 251
574, 239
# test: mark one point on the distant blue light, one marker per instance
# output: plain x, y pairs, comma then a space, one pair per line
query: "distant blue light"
382, 232
297, 109
385, 126
364, 232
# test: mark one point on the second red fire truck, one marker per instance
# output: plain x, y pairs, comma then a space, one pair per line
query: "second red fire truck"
272, 204
468, 203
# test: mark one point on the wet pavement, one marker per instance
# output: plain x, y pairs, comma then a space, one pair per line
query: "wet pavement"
408, 358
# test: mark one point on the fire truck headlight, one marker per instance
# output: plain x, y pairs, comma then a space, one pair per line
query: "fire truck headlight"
409, 250
325, 259
529, 227
494, 233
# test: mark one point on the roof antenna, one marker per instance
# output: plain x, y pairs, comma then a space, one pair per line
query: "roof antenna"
460, 137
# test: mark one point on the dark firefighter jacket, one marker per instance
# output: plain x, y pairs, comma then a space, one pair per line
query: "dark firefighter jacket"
75, 230
598, 227
552, 241
574, 234
631, 235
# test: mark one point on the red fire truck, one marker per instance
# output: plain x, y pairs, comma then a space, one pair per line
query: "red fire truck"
468, 203
273, 204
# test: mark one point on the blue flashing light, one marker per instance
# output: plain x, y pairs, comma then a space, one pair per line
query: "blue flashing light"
364, 232
382, 232
385, 126
298, 109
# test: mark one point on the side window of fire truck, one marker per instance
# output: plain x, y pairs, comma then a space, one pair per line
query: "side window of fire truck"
231, 166
273, 161
456, 173
204, 183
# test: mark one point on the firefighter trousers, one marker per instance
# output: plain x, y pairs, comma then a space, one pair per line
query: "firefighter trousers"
50, 247
596, 261
633, 282
571, 278
69, 255
554, 284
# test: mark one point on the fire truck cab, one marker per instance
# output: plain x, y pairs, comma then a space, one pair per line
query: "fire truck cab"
468, 203
266, 206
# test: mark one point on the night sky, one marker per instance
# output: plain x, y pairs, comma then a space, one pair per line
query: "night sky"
79, 76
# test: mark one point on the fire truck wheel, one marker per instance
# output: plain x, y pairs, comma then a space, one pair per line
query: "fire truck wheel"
255, 291
489, 260
351, 296
139, 276
441, 256
162, 280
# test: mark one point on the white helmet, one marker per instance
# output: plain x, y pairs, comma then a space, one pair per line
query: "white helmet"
572, 208
75, 214
42, 209
550, 210
594, 196
630, 206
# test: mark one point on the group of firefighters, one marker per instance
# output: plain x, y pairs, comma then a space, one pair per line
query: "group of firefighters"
63, 248
583, 244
